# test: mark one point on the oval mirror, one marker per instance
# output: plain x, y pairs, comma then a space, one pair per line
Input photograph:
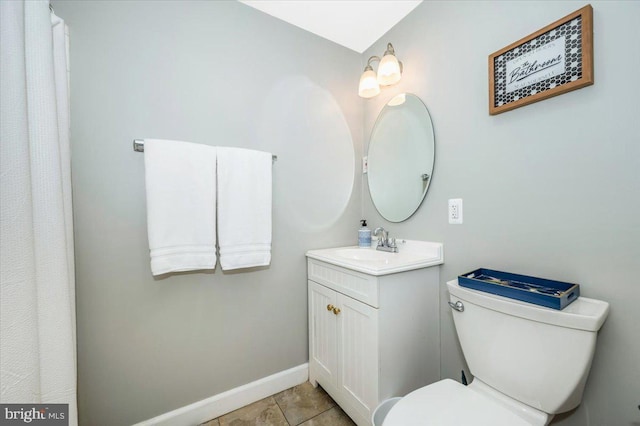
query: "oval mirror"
401, 156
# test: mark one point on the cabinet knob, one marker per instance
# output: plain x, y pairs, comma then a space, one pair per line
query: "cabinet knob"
336, 311
330, 307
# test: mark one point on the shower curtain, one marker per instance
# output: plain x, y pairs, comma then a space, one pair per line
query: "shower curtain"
37, 294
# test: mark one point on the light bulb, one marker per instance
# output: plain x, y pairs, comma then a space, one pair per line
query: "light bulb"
398, 99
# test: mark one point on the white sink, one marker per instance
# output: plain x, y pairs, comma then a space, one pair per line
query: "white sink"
411, 255
357, 253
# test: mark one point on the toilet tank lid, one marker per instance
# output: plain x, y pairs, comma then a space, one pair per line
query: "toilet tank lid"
583, 314
448, 403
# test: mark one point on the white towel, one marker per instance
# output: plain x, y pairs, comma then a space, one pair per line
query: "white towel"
181, 205
244, 207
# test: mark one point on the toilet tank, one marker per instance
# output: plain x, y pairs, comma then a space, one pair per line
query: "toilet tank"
536, 355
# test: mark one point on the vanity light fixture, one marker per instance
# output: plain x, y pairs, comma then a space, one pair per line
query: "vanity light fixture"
389, 72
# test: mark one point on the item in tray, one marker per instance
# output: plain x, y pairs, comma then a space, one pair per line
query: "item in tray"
520, 285
493, 280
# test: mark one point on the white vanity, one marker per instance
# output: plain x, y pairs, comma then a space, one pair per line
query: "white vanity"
374, 328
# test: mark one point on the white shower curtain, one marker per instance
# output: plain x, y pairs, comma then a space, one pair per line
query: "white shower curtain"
37, 298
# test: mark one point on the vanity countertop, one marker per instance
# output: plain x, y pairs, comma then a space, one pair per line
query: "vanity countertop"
412, 255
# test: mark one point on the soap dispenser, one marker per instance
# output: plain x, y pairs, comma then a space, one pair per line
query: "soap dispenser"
364, 235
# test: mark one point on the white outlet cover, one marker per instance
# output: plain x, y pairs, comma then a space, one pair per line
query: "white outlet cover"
455, 211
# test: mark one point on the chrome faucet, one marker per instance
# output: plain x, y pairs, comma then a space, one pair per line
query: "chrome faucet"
384, 244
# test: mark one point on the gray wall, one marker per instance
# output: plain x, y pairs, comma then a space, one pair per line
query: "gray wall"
206, 72
550, 189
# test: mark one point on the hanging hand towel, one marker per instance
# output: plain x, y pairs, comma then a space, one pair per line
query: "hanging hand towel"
181, 205
244, 207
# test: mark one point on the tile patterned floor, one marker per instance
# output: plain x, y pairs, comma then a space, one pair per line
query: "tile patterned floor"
301, 405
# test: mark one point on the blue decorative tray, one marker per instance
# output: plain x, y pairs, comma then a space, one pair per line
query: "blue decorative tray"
540, 291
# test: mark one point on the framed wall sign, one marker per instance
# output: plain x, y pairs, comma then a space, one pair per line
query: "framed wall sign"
552, 61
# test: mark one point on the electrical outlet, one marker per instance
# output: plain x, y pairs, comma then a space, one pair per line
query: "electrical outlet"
365, 165
455, 211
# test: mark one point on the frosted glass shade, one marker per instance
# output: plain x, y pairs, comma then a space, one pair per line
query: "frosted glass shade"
369, 86
389, 70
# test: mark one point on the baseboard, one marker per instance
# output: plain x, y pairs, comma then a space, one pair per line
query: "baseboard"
225, 402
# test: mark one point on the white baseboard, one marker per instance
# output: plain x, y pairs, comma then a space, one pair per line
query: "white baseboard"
225, 402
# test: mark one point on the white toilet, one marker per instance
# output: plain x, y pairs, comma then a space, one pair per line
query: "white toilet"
529, 363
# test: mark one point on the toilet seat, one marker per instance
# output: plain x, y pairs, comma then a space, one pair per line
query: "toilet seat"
449, 403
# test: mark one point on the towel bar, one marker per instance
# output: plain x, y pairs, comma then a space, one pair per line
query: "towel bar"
138, 146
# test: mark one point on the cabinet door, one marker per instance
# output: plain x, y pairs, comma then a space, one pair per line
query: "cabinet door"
323, 349
358, 353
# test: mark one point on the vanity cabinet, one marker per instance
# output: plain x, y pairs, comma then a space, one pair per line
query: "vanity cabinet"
372, 337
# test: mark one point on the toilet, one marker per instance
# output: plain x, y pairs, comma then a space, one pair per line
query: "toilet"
529, 363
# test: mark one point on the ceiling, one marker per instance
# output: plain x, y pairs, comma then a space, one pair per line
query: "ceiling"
355, 24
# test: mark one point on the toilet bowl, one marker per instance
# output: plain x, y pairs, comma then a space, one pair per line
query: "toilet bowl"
529, 363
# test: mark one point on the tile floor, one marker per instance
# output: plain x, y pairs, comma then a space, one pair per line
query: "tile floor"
301, 405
